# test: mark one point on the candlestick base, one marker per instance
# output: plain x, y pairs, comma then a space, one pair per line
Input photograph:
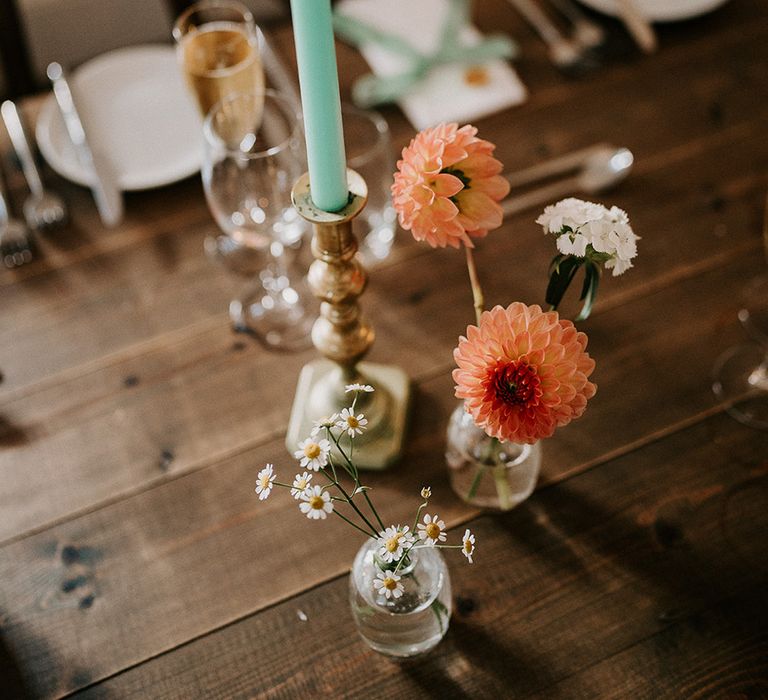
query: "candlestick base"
320, 393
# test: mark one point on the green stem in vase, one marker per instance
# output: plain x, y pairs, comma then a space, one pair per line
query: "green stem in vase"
502, 486
475, 483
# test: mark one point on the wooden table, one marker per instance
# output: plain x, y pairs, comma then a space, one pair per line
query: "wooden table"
135, 559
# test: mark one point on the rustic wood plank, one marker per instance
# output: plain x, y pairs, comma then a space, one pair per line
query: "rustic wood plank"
136, 418
166, 565
644, 578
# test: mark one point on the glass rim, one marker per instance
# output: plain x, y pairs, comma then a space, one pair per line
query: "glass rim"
212, 138
177, 31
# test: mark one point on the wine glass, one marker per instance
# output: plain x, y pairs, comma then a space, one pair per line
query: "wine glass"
252, 157
369, 152
740, 376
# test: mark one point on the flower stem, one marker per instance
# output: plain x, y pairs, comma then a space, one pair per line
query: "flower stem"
475, 483
477, 290
357, 527
352, 504
355, 475
502, 486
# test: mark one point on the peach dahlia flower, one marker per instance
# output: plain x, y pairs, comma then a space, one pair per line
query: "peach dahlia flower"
523, 372
447, 186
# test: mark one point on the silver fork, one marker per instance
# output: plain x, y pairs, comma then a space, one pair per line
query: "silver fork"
43, 208
16, 246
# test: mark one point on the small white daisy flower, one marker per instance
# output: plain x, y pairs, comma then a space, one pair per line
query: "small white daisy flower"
316, 503
323, 423
313, 454
352, 424
300, 483
468, 545
426, 493
358, 387
393, 542
432, 530
264, 481
387, 584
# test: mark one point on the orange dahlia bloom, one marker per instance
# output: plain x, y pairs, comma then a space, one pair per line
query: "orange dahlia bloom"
523, 372
447, 186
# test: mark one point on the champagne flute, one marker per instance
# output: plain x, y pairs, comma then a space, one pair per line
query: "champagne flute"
218, 48
252, 157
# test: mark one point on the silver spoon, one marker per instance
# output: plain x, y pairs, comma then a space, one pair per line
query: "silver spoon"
42, 208
601, 169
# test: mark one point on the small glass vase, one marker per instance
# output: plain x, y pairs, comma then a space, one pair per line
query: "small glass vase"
413, 623
485, 471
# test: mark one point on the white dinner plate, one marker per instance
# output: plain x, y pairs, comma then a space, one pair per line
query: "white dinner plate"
135, 101
661, 10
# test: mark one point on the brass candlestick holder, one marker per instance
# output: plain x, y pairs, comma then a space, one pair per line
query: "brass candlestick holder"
343, 335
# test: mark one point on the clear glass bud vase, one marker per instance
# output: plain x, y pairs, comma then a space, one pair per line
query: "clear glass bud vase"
412, 623
485, 471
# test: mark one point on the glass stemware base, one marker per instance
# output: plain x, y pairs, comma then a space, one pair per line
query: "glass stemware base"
741, 382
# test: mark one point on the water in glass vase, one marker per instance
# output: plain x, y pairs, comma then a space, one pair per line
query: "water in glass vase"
412, 623
487, 472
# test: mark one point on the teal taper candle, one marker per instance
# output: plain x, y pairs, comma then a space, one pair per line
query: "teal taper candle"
319, 82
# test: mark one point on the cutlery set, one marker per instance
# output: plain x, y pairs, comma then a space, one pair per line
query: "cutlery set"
575, 55
44, 209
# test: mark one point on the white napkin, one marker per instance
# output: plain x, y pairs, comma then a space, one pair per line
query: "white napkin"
451, 92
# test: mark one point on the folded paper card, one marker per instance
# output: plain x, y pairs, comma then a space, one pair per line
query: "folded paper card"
428, 58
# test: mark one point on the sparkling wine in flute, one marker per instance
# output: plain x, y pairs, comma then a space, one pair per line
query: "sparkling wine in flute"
219, 59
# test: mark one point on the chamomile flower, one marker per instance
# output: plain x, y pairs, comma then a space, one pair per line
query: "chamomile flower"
316, 503
426, 493
358, 387
432, 530
323, 423
264, 481
468, 545
387, 584
300, 484
313, 454
352, 424
393, 542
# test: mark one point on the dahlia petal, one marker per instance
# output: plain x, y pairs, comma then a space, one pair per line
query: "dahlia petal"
446, 185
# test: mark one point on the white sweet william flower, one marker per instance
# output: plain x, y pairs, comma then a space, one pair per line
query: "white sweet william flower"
264, 481
316, 503
387, 584
299, 485
432, 530
393, 542
352, 424
580, 225
313, 454
358, 387
572, 244
323, 423
468, 545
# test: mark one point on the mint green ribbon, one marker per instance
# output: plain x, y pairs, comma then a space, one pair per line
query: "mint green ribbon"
372, 90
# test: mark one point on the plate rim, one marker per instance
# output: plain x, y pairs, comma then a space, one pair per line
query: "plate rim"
674, 16
70, 169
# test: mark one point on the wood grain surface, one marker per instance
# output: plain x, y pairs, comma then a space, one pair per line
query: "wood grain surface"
136, 561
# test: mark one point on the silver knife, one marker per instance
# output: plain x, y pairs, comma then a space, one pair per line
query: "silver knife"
106, 193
